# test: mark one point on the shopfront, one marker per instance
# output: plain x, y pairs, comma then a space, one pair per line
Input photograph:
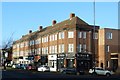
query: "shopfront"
83, 61
52, 62
44, 60
60, 61
70, 60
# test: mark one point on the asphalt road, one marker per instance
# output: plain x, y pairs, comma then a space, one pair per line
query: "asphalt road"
34, 75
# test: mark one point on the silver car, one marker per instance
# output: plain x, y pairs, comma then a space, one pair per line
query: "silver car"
43, 68
100, 71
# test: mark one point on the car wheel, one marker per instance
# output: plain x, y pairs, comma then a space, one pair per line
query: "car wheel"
64, 72
108, 74
78, 73
94, 73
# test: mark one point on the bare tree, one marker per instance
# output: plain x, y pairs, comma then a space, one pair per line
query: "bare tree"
6, 47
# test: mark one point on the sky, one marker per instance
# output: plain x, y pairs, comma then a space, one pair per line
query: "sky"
20, 17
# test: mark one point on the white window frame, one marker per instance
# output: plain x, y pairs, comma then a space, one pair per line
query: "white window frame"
95, 35
55, 48
80, 48
55, 36
42, 39
59, 48
61, 35
46, 38
70, 48
84, 35
109, 35
108, 64
107, 48
62, 46
84, 47
50, 51
70, 34
79, 34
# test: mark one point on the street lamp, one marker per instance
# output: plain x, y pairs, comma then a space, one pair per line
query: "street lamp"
94, 35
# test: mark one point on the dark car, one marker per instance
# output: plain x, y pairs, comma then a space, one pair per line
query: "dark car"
23, 66
31, 67
69, 71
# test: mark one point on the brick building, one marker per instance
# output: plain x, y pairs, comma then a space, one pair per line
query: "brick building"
69, 43
109, 48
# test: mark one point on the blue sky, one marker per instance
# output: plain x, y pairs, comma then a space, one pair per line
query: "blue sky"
19, 17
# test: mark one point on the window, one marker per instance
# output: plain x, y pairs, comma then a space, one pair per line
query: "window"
79, 48
55, 36
37, 41
79, 34
46, 50
21, 53
47, 39
42, 50
42, 40
55, 48
107, 48
31, 42
61, 48
50, 51
108, 64
84, 47
109, 35
95, 36
84, 35
26, 43
39, 50
70, 48
50, 37
61, 35
70, 34
22, 45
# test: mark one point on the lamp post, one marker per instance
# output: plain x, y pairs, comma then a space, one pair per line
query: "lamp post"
94, 35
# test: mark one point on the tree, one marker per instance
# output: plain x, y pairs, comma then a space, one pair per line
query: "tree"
6, 47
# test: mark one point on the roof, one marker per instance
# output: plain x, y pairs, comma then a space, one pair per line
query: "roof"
75, 20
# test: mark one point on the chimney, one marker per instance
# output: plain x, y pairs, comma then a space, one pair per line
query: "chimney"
54, 22
72, 15
30, 31
40, 28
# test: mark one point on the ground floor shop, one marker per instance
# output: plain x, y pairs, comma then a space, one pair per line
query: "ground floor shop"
114, 62
61, 60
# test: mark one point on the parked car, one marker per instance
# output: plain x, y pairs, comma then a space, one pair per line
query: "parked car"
69, 71
100, 71
17, 66
43, 68
31, 67
61, 69
72, 71
23, 66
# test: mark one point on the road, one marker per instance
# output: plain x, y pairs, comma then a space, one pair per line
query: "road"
34, 75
